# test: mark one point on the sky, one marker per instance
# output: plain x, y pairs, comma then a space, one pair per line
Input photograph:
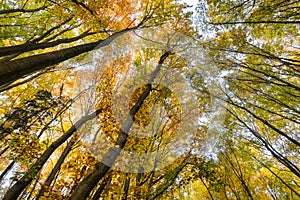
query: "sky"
191, 2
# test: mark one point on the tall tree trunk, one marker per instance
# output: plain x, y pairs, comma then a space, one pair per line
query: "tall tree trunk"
126, 188
90, 181
168, 183
55, 169
30, 46
33, 188
207, 188
16, 69
5, 149
30, 174
101, 188
277, 155
8, 168
277, 176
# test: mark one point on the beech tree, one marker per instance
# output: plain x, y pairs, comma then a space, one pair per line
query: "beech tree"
255, 45
137, 100
34, 60
103, 28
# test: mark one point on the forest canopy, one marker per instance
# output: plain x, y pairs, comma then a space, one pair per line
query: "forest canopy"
138, 99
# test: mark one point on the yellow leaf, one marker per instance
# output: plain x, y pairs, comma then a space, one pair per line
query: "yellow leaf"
6, 42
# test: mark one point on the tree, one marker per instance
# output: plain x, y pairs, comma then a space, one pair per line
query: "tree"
104, 31
51, 127
255, 45
124, 100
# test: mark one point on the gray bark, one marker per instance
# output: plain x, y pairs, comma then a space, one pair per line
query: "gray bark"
84, 188
18, 68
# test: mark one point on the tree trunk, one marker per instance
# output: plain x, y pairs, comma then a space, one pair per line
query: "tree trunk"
8, 168
30, 174
55, 169
16, 69
90, 181
277, 155
101, 188
126, 188
30, 46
